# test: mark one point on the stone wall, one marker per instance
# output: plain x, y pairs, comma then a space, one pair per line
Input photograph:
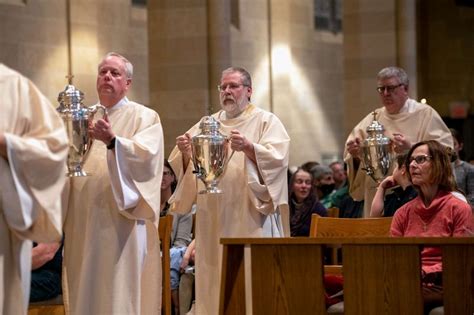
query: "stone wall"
192, 42
34, 41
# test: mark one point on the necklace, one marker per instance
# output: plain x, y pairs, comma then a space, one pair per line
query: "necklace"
425, 224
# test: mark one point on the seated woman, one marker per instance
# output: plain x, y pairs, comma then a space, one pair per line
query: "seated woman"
435, 212
303, 203
401, 191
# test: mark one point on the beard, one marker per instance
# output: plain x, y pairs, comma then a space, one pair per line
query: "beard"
234, 107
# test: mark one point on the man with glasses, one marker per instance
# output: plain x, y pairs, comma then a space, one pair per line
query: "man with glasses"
406, 122
254, 202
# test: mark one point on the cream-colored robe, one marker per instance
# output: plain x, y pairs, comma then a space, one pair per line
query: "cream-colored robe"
416, 121
254, 200
30, 183
111, 253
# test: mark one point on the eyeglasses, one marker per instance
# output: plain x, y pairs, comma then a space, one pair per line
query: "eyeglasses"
231, 86
420, 159
388, 88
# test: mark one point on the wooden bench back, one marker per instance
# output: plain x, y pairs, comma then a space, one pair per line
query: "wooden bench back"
344, 227
164, 232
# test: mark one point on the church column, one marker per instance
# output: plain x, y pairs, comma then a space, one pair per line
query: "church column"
370, 43
188, 47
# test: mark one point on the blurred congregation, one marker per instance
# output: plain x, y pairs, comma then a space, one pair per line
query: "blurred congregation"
142, 140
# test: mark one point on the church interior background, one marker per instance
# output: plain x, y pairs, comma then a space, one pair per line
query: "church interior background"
313, 62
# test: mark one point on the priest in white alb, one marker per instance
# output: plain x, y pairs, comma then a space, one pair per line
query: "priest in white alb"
254, 202
111, 249
406, 122
33, 151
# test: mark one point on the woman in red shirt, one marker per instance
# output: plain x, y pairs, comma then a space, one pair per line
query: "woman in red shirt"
435, 212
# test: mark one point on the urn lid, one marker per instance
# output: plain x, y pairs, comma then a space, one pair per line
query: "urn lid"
209, 123
71, 97
375, 126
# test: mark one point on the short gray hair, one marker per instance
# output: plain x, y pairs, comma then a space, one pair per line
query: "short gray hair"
390, 72
246, 79
127, 64
319, 171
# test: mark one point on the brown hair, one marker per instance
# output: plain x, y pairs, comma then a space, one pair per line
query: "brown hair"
401, 160
175, 182
312, 196
441, 171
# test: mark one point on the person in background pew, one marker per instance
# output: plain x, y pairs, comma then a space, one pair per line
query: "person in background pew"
401, 192
303, 203
181, 234
46, 265
435, 212
323, 184
463, 171
186, 283
341, 184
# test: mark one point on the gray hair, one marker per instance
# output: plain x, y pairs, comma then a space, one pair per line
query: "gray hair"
319, 171
390, 72
127, 64
246, 79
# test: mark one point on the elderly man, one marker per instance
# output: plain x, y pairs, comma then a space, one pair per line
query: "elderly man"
254, 202
33, 151
111, 250
406, 122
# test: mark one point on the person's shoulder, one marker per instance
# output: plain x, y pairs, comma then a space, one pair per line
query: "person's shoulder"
141, 109
6, 71
458, 199
408, 206
139, 106
10, 76
420, 107
467, 166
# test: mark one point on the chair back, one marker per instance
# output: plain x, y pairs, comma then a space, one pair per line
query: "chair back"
164, 231
333, 212
345, 227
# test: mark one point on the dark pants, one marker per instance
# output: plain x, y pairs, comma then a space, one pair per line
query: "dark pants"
45, 285
432, 291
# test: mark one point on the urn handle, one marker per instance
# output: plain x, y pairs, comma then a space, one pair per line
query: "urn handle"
94, 109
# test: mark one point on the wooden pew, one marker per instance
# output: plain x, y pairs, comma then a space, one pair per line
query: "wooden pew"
164, 233
345, 227
382, 275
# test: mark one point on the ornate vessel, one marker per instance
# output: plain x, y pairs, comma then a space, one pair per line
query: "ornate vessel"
377, 150
210, 154
77, 118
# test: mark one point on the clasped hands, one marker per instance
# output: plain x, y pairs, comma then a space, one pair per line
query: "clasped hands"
102, 130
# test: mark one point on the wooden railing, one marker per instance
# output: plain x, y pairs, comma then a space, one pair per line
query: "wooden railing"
381, 275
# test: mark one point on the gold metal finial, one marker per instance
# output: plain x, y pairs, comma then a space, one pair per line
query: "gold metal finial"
69, 78
375, 114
